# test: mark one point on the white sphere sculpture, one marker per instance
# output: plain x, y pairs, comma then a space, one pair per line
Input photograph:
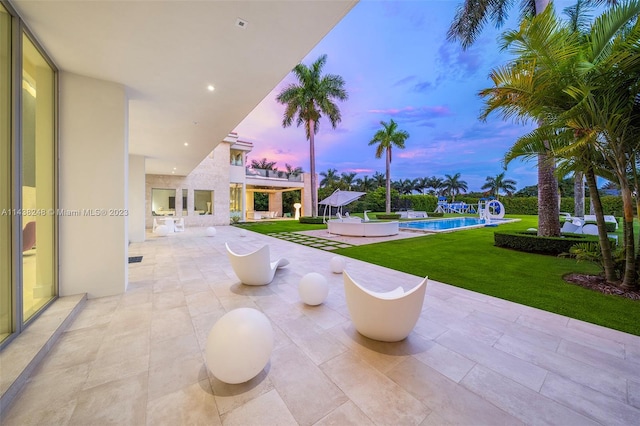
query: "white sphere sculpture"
243, 233
239, 345
313, 289
337, 264
162, 231
211, 231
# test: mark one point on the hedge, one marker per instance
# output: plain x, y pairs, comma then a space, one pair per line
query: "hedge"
311, 219
528, 241
388, 216
611, 205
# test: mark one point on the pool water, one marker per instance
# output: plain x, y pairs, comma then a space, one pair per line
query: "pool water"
439, 225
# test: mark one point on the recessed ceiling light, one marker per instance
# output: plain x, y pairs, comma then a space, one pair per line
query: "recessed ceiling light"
241, 23
211, 88
173, 172
174, 168
186, 144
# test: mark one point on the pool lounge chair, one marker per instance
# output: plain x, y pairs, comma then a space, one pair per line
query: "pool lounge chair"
255, 268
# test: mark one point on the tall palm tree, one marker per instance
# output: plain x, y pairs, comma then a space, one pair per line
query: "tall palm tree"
498, 183
453, 186
306, 101
329, 178
386, 138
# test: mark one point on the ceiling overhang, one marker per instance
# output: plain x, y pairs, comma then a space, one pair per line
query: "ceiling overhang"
166, 54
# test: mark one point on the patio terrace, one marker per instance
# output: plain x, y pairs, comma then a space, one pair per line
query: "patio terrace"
138, 358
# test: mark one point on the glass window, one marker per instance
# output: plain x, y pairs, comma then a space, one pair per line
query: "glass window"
235, 201
237, 157
6, 324
203, 201
185, 192
163, 202
38, 180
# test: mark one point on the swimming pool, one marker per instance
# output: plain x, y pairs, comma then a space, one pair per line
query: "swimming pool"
450, 224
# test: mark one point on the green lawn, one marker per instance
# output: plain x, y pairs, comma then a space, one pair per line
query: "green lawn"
468, 259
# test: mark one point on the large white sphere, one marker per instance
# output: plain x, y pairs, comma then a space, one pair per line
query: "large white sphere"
336, 264
211, 231
162, 231
239, 345
313, 288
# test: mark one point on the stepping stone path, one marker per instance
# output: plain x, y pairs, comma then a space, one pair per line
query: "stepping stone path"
307, 240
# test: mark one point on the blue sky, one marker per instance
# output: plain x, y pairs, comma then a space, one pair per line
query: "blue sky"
397, 63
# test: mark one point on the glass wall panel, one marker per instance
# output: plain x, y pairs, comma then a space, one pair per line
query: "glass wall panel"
203, 201
185, 192
6, 296
38, 180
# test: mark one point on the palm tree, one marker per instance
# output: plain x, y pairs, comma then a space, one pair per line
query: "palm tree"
386, 138
405, 186
594, 106
453, 186
293, 171
306, 101
347, 180
379, 179
264, 164
436, 184
499, 183
365, 184
329, 178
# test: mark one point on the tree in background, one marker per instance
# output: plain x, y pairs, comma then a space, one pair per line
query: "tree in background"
306, 101
498, 183
264, 164
452, 185
386, 138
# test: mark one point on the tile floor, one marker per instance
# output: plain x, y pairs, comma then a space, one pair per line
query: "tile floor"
137, 358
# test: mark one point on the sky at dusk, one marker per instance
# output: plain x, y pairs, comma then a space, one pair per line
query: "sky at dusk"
397, 63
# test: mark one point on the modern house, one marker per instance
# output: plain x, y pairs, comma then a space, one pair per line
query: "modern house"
98, 101
222, 188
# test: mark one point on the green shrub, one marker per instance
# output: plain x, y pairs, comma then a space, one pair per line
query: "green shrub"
311, 219
439, 214
425, 203
591, 252
388, 216
528, 241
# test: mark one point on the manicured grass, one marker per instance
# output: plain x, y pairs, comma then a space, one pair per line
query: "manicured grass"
468, 259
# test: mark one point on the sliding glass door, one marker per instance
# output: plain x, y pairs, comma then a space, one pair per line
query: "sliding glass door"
6, 258
38, 180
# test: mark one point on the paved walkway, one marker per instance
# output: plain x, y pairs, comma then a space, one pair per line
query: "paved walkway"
137, 358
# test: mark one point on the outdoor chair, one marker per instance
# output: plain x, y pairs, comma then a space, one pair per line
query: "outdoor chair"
255, 268
179, 225
571, 228
590, 229
388, 317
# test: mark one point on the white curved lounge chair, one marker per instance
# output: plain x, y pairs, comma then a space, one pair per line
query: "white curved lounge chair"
590, 229
388, 317
255, 268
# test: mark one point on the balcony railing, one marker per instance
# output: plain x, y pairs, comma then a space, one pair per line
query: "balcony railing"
273, 174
